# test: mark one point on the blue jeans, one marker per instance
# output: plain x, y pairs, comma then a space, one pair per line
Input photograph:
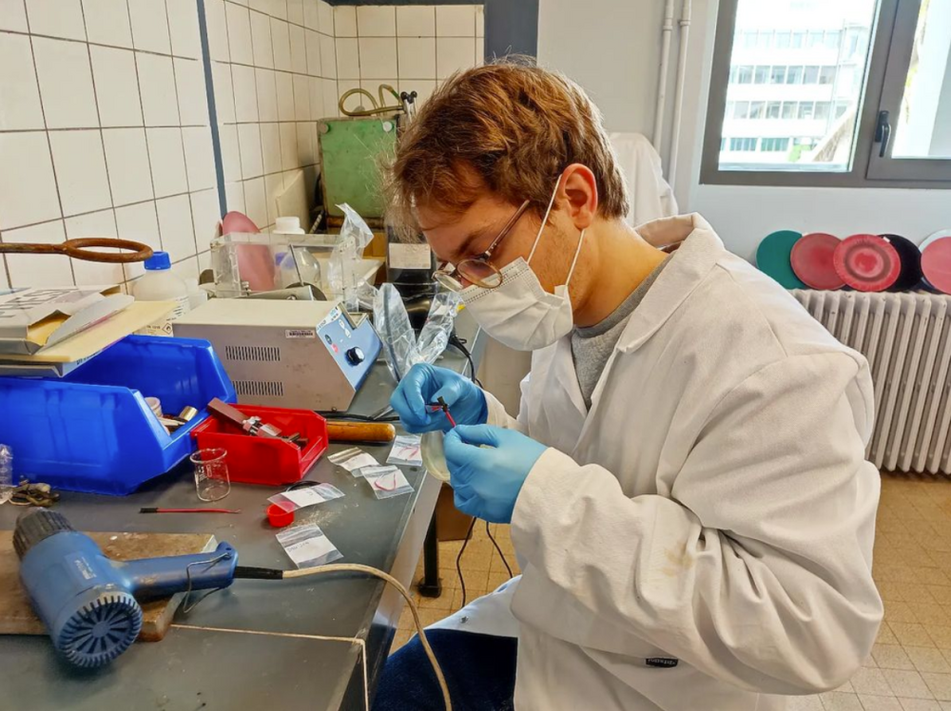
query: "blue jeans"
479, 669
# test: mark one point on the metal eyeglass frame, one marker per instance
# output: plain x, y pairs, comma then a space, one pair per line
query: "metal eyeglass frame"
450, 279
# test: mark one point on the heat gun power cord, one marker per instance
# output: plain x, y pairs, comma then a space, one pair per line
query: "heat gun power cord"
275, 574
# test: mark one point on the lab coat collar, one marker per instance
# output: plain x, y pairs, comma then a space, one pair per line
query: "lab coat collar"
697, 250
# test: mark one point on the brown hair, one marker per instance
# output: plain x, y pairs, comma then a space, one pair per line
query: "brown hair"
518, 127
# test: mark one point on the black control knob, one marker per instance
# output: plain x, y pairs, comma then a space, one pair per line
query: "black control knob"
355, 356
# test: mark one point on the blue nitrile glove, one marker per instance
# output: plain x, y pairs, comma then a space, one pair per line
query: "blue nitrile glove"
425, 384
486, 480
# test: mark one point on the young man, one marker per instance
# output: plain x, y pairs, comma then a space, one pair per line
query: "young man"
686, 479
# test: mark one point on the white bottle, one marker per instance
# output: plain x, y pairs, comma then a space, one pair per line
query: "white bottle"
160, 284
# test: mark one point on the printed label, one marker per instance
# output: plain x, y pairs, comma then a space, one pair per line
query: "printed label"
410, 256
300, 333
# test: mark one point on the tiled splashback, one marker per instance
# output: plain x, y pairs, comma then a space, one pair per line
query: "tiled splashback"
104, 118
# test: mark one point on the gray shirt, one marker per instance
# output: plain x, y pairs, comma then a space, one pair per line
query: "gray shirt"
591, 346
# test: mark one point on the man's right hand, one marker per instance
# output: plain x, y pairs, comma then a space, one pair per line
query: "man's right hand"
425, 384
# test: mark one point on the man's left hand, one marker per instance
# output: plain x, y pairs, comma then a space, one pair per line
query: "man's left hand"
486, 480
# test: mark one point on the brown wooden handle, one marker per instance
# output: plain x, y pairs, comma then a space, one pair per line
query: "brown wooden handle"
345, 431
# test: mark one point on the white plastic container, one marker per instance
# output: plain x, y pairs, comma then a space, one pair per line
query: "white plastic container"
160, 284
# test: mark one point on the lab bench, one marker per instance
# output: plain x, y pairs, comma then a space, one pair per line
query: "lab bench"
288, 644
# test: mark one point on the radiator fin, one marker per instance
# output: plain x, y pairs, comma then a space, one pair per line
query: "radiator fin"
907, 341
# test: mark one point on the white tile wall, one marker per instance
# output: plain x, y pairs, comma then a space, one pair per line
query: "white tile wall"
104, 120
280, 58
408, 47
101, 101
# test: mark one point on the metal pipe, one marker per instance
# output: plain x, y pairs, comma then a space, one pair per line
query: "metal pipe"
679, 96
666, 30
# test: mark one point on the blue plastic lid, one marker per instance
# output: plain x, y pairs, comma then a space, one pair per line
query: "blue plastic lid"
158, 260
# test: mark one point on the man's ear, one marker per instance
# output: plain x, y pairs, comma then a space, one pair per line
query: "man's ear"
579, 193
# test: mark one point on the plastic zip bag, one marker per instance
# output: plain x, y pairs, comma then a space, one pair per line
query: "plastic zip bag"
406, 451
299, 498
306, 545
387, 482
353, 460
401, 349
355, 235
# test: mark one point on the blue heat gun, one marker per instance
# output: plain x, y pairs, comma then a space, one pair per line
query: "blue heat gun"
88, 601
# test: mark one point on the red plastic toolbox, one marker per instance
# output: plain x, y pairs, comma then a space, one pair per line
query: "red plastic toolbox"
266, 460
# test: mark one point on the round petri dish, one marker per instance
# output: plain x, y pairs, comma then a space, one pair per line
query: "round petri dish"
434, 457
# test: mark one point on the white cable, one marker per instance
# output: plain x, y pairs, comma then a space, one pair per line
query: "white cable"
357, 568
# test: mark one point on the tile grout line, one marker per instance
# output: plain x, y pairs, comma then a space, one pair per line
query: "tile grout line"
49, 143
102, 145
181, 132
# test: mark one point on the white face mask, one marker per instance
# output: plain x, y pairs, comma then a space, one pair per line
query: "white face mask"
520, 313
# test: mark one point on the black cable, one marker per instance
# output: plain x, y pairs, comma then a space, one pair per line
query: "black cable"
460, 345
253, 573
501, 554
356, 417
462, 580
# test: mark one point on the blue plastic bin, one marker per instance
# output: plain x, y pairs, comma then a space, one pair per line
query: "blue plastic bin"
92, 430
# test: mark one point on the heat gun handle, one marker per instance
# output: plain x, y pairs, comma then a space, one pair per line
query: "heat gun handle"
161, 577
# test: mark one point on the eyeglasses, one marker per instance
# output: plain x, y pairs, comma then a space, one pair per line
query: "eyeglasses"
478, 270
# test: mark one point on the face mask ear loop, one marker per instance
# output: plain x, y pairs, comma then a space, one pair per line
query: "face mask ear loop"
544, 222
575, 260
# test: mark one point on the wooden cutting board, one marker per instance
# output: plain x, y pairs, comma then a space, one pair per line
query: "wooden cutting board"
16, 613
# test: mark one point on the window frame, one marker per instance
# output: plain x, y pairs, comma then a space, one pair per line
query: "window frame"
858, 175
884, 167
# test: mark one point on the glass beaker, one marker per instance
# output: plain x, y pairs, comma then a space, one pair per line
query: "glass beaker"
212, 482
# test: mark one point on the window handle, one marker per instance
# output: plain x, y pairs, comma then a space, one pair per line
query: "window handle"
883, 132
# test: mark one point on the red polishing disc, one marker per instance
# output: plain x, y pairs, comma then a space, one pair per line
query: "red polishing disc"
867, 262
811, 259
936, 264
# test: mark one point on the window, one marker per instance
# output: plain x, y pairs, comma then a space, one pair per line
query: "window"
722, 144
866, 100
916, 99
774, 145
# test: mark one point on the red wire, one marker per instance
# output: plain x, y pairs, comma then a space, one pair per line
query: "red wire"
449, 417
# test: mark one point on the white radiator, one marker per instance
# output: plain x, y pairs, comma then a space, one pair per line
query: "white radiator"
907, 340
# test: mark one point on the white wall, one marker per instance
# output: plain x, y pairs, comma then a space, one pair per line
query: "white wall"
613, 51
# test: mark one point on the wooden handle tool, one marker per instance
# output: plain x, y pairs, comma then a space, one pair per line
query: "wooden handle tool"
346, 431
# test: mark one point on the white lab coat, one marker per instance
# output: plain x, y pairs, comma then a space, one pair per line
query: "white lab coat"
714, 506
640, 164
